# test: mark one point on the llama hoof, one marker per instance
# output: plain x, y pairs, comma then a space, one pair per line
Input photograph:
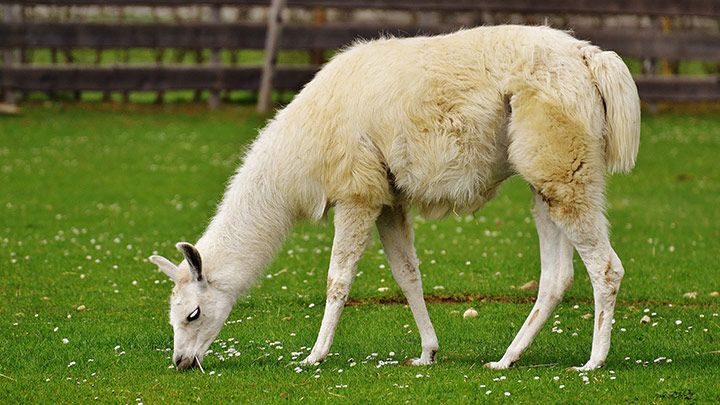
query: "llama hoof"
496, 365
417, 362
587, 367
310, 361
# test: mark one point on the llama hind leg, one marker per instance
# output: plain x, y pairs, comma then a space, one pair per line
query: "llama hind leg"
353, 230
562, 156
585, 227
606, 272
396, 234
555, 278
582, 220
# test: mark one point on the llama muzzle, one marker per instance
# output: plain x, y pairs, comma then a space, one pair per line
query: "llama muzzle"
186, 363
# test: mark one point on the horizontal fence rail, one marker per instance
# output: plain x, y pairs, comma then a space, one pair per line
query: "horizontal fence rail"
705, 8
665, 35
635, 43
151, 78
165, 78
679, 88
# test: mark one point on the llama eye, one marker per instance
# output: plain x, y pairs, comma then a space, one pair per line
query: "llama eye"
194, 315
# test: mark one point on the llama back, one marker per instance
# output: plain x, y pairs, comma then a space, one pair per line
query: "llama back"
430, 111
428, 108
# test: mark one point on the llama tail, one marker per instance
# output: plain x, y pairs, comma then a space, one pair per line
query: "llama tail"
622, 108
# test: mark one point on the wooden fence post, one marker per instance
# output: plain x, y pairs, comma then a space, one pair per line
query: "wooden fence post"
8, 54
214, 100
272, 38
159, 55
668, 67
650, 65
317, 56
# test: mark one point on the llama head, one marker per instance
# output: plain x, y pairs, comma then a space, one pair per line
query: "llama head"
197, 309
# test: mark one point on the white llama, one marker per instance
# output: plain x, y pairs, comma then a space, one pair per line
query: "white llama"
436, 123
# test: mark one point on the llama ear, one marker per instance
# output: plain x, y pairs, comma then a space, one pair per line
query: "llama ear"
165, 265
193, 258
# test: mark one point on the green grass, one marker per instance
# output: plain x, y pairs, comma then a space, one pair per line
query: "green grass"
89, 192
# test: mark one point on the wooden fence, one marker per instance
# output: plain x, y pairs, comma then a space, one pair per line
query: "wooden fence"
662, 35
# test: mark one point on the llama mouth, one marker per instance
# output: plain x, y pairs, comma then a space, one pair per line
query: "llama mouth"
187, 363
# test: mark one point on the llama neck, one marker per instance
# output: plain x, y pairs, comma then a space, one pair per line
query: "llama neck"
251, 224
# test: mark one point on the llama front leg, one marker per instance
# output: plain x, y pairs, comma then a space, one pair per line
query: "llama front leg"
396, 234
353, 230
555, 278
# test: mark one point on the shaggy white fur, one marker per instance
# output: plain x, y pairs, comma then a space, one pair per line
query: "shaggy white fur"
436, 123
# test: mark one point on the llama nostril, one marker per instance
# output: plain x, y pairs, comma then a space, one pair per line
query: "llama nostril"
178, 360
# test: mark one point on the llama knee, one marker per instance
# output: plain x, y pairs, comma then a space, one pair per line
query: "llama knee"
614, 272
338, 289
606, 278
406, 270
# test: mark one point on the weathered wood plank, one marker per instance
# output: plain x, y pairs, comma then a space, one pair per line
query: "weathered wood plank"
626, 42
113, 35
709, 8
8, 57
640, 43
148, 78
272, 38
193, 35
679, 88
214, 100
168, 77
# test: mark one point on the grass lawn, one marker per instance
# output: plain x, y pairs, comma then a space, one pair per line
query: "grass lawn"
89, 192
